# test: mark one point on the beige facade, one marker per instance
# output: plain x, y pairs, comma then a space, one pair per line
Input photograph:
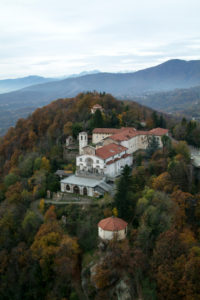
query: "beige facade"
95, 107
98, 137
138, 141
89, 150
109, 235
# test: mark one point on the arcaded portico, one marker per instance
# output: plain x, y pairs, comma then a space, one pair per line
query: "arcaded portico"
84, 186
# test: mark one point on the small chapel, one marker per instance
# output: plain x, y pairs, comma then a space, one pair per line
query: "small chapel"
111, 228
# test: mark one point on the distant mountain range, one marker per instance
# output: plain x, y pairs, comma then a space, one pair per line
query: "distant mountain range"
10, 85
173, 74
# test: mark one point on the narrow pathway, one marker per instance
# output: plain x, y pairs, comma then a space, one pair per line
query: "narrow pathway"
68, 202
34, 207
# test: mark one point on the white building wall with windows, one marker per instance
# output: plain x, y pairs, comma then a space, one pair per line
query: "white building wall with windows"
159, 141
139, 142
111, 166
115, 169
89, 162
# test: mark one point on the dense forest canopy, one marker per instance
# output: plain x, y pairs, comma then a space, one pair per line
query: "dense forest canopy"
48, 252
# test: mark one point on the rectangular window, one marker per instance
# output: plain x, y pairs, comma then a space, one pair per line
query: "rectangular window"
80, 159
97, 161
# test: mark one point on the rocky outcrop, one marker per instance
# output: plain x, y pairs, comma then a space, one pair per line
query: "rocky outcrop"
115, 289
124, 290
87, 286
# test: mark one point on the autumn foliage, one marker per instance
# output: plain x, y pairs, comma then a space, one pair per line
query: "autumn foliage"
45, 249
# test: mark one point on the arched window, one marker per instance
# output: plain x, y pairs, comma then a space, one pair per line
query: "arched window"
76, 190
89, 162
85, 191
67, 187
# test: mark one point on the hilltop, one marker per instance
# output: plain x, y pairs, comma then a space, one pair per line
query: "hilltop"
54, 252
48, 125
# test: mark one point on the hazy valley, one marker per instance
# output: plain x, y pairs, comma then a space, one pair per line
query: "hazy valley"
167, 87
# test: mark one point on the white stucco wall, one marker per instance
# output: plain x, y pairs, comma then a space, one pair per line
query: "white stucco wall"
81, 161
109, 235
116, 167
90, 190
83, 141
159, 141
62, 187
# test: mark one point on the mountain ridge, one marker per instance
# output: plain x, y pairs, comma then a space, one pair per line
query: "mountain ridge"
13, 84
164, 77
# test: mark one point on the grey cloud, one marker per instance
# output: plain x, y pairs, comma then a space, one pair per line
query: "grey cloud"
59, 37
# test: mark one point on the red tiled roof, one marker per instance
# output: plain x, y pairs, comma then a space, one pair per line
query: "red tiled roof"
110, 162
97, 106
126, 133
109, 150
159, 131
106, 130
125, 155
112, 224
143, 132
127, 128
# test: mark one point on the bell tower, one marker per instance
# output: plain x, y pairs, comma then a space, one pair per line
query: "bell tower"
83, 141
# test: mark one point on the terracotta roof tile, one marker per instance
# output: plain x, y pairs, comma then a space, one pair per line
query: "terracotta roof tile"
110, 150
106, 130
97, 106
126, 133
112, 224
159, 131
110, 162
118, 158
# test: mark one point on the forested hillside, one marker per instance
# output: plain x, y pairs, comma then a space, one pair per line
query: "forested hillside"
185, 102
47, 127
51, 252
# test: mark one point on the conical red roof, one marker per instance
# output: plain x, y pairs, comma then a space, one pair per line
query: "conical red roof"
112, 224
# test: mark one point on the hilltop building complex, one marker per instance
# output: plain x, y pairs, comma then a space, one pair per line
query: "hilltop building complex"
104, 160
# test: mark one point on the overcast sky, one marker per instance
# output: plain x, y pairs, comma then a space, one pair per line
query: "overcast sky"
60, 37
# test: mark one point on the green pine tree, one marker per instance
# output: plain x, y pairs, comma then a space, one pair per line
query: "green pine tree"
123, 194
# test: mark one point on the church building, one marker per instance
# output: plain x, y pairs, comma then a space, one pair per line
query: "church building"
94, 166
102, 162
108, 160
